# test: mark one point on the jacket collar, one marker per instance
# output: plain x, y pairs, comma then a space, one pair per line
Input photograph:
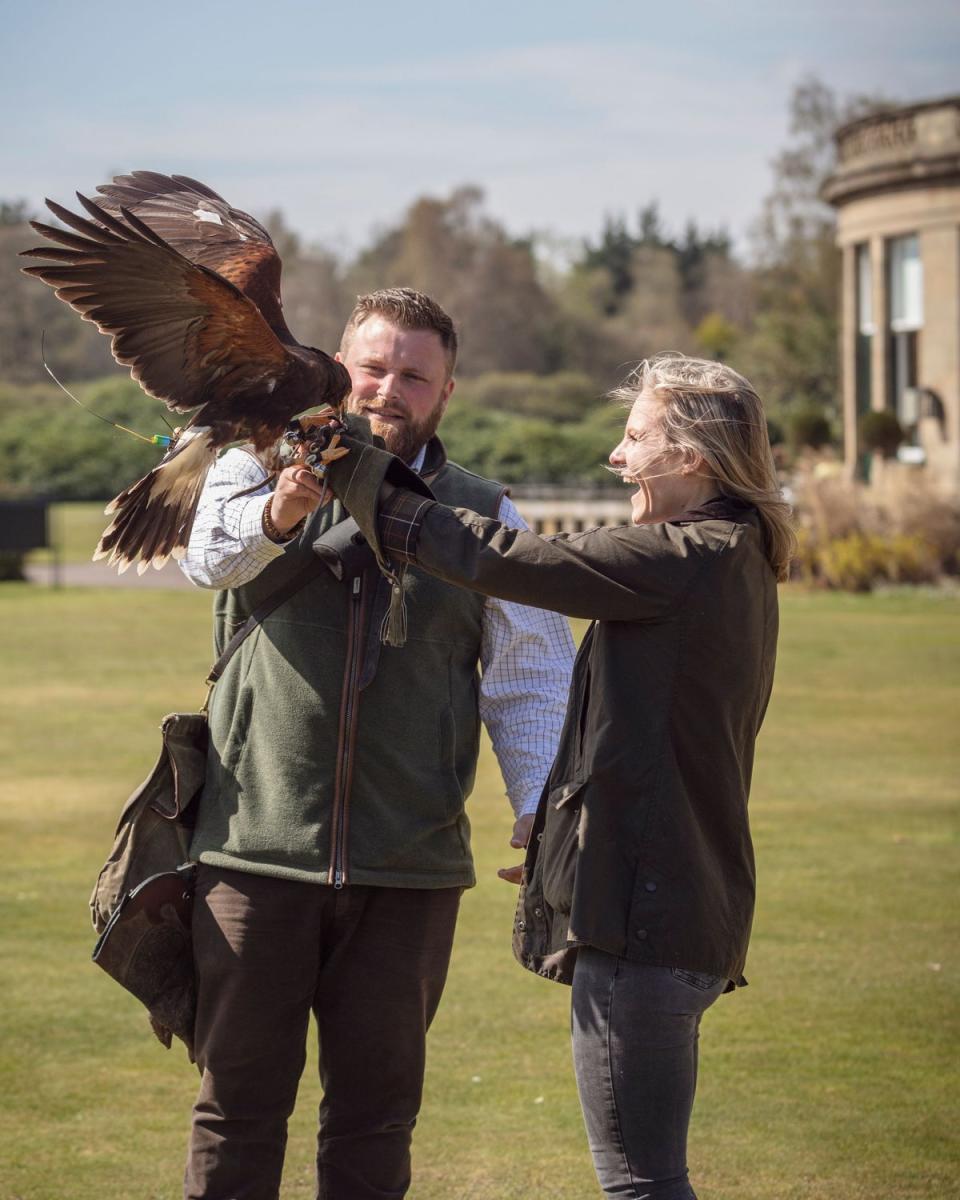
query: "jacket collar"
718, 508
435, 458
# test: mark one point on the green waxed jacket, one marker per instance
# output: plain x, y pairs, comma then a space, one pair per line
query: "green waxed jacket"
641, 845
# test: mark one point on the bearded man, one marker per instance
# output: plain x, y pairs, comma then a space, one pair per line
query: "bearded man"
331, 834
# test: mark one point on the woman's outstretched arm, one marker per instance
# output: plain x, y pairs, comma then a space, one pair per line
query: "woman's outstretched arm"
622, 573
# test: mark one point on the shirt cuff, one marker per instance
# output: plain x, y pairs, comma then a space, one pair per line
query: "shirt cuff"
529, 806
255, 542
399, 521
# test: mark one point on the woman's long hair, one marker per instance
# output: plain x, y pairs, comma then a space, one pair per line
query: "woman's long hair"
712, 413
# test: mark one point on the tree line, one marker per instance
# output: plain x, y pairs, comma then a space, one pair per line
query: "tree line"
543, 337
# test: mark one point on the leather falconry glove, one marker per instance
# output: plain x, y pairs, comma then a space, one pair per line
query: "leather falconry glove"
356, 480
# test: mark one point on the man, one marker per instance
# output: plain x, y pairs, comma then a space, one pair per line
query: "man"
331, 834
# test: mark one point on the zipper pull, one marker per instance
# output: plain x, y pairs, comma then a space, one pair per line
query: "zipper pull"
357, 580
337, 881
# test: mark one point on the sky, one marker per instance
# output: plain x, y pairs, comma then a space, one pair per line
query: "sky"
342, 114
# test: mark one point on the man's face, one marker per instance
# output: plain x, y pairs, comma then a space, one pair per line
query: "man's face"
400, 382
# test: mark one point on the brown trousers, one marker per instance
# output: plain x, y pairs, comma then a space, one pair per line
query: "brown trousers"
371, 964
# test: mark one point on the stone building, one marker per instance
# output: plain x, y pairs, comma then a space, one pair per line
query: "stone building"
896, 189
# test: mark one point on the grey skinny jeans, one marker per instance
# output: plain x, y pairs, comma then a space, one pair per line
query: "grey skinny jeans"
635, 1032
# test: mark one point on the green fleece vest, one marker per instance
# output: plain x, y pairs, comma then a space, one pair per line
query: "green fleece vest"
333, 758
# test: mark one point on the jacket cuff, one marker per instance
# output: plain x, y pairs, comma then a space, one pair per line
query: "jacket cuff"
356, 480
399, 524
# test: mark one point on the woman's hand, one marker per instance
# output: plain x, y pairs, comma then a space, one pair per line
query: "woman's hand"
521, 835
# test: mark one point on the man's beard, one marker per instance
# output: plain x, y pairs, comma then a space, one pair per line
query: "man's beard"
406, 440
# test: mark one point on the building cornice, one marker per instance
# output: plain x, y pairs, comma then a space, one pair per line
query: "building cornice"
915, 145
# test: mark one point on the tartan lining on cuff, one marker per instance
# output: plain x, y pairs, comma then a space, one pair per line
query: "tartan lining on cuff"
398, 523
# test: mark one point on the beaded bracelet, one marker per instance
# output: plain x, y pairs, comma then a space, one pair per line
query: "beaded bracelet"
272, 532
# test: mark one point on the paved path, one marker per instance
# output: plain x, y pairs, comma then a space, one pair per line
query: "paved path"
100, 575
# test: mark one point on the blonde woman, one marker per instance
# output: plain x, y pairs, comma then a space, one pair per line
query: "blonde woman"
638, 885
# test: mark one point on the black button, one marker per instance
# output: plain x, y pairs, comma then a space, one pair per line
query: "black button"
358, 539
650, 886
642, 935
538, 912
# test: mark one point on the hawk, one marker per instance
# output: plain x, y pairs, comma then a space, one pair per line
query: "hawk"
188, 288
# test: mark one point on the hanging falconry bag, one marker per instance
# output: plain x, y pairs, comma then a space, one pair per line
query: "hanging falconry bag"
141, 902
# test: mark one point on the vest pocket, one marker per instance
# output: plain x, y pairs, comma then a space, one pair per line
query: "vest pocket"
561, 843
446, 756
236, 740
232, 711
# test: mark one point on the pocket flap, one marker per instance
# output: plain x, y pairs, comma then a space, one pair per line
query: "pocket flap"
565, 792
182, 769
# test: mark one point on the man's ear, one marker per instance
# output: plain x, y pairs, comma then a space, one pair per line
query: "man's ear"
447, 393
338, 357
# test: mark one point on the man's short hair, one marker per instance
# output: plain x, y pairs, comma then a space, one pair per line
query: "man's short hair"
406, 309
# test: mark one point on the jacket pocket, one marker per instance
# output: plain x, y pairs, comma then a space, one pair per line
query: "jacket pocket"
697, 979
561, 844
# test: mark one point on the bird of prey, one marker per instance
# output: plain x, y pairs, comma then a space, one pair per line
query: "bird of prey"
188, 288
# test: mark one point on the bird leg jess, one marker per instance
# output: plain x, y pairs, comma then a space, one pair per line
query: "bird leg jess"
314, 440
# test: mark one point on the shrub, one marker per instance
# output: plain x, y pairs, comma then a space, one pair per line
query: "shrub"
810, 427
880, 432
775, 432
717, 337
49, 447
565, 396
910, 558
853, 537
860, 561
851, 564
518, 447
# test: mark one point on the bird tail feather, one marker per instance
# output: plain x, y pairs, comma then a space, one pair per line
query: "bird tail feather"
153, 518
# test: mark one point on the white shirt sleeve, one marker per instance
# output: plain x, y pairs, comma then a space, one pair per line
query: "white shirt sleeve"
228, 546
526, 658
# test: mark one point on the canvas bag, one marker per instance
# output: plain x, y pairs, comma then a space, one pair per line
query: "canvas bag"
140, 904
141, 901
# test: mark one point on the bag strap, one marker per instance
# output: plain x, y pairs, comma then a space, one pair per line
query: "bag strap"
259, 614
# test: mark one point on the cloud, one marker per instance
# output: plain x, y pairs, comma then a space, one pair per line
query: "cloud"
559, 132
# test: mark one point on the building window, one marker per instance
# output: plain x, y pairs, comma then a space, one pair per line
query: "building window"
865, 328
906, 322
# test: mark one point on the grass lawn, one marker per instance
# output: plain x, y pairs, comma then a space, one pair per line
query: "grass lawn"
833, 1075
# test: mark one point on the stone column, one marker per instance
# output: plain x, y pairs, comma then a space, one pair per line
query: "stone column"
848, 357
940, 343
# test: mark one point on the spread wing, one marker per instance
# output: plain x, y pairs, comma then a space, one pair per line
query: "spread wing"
199, 223
188, 335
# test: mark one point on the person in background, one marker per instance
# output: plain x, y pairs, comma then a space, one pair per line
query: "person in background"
331, 834
638, 886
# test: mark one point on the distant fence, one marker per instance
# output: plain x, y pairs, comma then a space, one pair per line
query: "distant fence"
570, 510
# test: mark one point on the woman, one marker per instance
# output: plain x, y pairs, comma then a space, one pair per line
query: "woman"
638, 885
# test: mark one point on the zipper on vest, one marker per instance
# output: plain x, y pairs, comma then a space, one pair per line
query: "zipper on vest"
348, 723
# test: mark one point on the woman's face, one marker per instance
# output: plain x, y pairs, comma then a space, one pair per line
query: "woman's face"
665, 487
